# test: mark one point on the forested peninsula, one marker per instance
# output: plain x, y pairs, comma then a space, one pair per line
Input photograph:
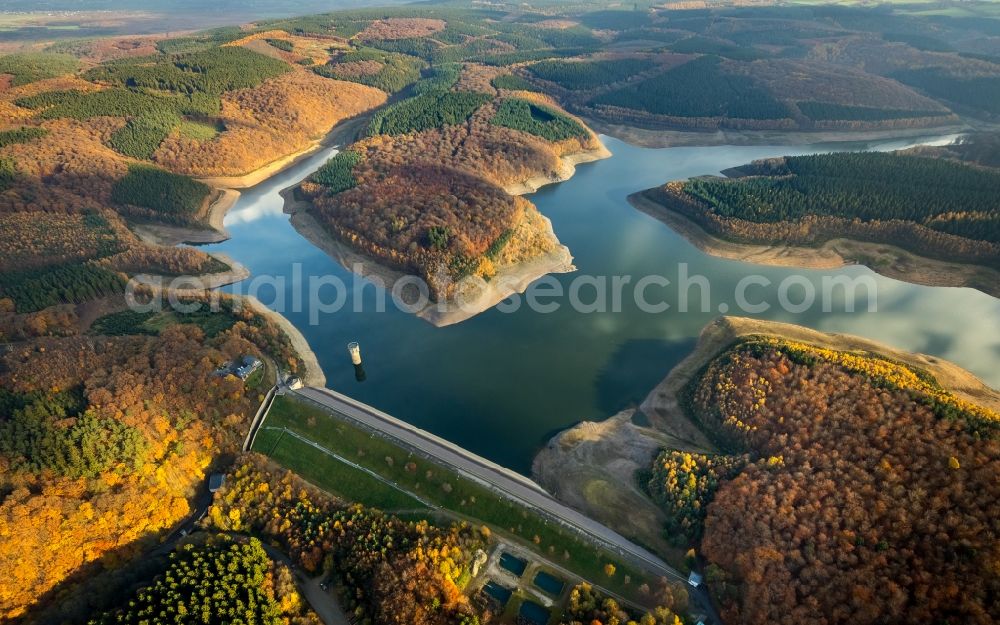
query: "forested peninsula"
929, 215
791, 464
432, 189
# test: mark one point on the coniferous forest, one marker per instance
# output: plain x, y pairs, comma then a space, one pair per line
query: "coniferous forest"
940, 194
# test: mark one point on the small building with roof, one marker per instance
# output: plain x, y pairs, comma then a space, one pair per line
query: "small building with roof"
247, 366
215, 482
694, 578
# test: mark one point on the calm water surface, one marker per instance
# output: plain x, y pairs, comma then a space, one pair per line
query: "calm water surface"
501, 383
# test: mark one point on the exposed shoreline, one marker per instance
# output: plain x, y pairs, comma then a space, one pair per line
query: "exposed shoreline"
515, 279
226, 189
481, 295
313, 374
213, 232
339, 133
662, 406
885, 259
567, 168
666, 138
592, 468
200, 282
227, 195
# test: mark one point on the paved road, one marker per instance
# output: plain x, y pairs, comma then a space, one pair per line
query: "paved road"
509, 483
262, 410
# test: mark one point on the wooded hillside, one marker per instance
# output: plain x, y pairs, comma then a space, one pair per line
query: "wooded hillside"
865, 496
104, 439
397, 572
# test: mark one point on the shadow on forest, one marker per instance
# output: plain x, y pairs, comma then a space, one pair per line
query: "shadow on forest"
96, 586
103, 583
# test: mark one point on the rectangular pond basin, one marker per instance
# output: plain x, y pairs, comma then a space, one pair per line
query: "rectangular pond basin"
498, 592
549, 583
513, 564
533, 612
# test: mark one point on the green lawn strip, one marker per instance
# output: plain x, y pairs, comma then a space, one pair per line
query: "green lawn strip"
446, 488
330, 473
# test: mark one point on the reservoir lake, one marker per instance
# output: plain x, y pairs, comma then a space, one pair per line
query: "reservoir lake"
502, 383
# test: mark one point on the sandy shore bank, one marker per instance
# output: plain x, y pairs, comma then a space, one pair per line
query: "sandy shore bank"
258, 176
313, 374
196, 285
888, 260
226, 194
591, 467
481, 296
478, 298
344, 132
648, 138
200, 282
567, 167
214, 232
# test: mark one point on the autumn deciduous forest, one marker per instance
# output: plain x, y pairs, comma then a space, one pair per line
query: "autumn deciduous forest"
104, 439
110, 420
588, 606
425, 192
868, 493
71, 180
395, 571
